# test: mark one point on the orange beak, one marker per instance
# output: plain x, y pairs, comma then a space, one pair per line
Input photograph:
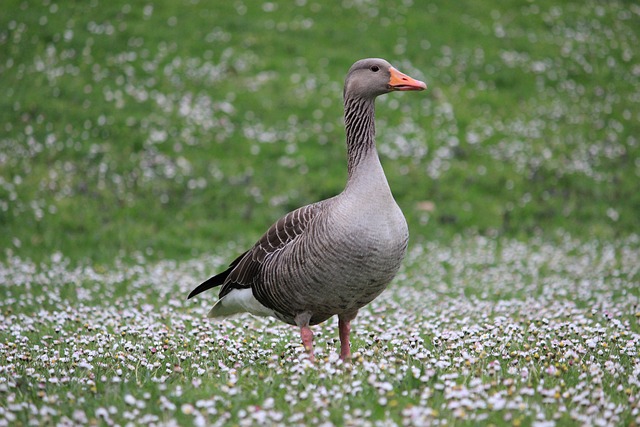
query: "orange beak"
400, 81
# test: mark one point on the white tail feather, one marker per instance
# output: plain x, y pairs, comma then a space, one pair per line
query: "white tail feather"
239, 301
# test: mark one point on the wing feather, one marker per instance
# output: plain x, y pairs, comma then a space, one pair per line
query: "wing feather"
244, 271
285, 231
218, 279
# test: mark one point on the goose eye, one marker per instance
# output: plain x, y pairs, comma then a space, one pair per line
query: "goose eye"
375, 68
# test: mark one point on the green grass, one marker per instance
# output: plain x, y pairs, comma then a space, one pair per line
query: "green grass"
167, 129
142, 147
461, 337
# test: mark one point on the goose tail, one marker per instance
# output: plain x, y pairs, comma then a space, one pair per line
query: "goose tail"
239, 301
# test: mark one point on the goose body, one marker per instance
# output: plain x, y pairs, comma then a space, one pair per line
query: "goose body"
335, 256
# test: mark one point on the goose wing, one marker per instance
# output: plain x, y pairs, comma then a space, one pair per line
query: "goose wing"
244, 271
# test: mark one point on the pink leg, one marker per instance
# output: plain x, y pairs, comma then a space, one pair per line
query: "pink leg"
344, 328
302, 320
307, 340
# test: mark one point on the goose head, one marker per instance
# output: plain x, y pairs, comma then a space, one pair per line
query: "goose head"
372, 77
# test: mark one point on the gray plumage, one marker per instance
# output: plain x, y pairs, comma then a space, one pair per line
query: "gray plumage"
335, 256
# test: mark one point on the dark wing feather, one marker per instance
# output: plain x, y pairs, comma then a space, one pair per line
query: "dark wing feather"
216, 280
245, 270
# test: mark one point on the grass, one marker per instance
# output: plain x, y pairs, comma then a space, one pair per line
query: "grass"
486, 331
163, 128
144, 146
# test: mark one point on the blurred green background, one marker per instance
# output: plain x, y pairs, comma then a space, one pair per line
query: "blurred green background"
169, 128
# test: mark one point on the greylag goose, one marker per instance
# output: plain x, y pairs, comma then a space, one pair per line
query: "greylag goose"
335, 256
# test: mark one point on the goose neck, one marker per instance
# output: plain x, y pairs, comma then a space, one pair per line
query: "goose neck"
359, 115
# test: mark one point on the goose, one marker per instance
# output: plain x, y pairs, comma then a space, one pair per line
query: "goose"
332, 257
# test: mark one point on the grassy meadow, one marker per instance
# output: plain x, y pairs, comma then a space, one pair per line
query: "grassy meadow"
143, 146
